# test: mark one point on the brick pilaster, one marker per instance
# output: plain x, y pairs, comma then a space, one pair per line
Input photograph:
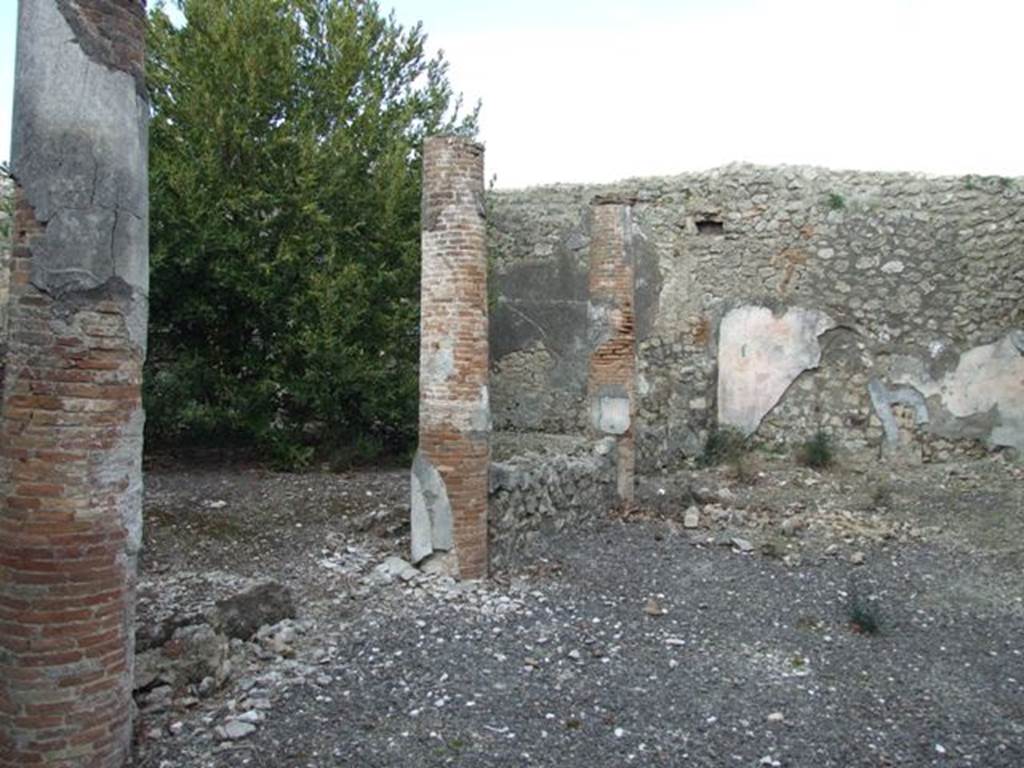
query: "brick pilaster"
451, 472
611, 380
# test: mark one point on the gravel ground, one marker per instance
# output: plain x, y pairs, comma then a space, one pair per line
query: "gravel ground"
637, 641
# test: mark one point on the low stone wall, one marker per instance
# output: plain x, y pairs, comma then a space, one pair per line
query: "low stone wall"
543, 483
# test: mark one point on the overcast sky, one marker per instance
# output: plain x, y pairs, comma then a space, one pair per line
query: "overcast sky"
593, 90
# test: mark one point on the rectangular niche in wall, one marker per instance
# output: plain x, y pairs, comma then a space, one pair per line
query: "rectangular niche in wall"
709, 225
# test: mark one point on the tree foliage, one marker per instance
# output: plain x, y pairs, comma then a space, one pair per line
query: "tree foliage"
284, 185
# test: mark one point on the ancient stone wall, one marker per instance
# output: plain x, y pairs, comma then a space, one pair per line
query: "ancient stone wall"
71, 445
883, 308
545, 485
450, 472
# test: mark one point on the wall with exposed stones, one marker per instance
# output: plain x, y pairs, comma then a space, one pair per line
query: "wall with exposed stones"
884, 308
543, 484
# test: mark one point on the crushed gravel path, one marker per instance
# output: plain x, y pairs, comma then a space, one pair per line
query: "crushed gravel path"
634, 642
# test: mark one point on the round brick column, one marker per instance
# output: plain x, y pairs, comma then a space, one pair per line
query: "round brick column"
611, 381
71, 419
450, 475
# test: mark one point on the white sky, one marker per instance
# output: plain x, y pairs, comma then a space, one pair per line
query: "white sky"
599, 90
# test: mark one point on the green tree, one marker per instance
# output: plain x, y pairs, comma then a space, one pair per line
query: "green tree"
284, 185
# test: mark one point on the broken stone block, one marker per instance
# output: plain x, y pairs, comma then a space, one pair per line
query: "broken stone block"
193, 654
393, 568
241, 616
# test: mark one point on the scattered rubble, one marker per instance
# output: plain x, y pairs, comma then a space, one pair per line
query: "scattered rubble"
376, 641
241, 615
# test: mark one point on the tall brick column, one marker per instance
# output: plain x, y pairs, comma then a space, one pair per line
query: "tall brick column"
450, 474
611, 381
71, 419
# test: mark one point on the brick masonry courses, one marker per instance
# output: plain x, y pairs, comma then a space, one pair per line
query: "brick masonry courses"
451, 470
70, 525
611, 377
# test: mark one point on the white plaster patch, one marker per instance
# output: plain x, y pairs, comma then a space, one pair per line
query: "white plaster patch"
986, 378
439, 362
611, 414
480, 420
759, 357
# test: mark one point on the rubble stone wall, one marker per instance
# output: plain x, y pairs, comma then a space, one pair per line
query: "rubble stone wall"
861, 287
545, 484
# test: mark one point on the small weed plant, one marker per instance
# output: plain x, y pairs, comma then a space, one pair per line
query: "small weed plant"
863, 615
881, 497
725, 445
817, 452
730, 447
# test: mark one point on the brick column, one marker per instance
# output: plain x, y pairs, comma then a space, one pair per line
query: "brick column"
450, 474
71, 419
611, 381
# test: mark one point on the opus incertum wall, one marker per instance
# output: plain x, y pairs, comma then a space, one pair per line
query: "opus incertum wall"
886, 309
450, 474
70, 521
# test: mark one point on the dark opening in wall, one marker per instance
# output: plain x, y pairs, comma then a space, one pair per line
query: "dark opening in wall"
709, 226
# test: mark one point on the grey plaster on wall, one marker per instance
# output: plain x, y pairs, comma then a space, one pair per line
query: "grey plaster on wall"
480, 422
542, 313
99, 46
431, 511
439, 363
134, 307
910, 262
980, 397
541, 301
80, 153
126, 462
601, 313
648, 283
883, 399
